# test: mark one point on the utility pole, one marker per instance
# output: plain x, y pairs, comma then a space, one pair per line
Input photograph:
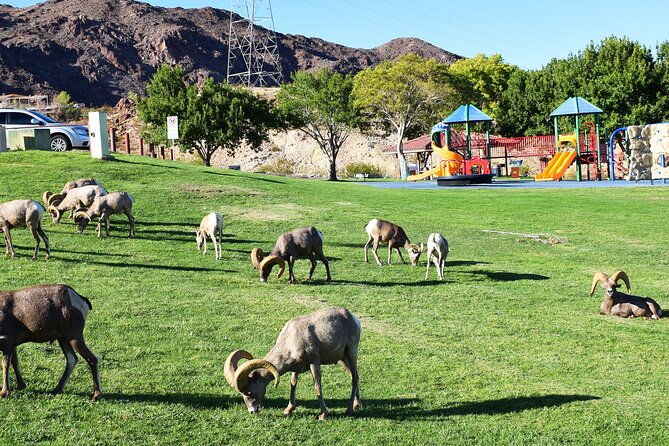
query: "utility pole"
253, 50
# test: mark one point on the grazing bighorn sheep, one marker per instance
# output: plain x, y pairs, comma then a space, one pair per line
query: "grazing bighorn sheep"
104, 206
437, 251
305, 343
23, 213
620, 304
76, 200
45, 313
50, 198
298, 244
211, 226
381, 231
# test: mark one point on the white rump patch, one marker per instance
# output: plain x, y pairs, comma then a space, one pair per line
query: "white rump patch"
78, 303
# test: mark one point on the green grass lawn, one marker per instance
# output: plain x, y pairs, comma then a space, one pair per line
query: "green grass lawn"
507, 350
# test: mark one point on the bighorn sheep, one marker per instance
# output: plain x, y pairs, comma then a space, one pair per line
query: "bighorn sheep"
298, 244
437, 251
50, 198
76, 199
27, 213
620, 304
381, 231
45, 313
211, 226
305, 343
104, 206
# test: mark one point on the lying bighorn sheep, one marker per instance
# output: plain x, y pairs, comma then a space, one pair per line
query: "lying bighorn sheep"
437, 251
211, 226
45, 313
76, 199
305, 343
103, 207
620, 304
298, 244
26, 213
50, 198
381, 231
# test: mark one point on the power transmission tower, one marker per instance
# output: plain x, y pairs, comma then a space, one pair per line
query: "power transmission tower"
253, 53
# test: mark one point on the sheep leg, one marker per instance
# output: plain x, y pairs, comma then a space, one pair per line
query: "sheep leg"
349, 364
390, 251
429, 257
70, 362
369, 239
400, 254
20, 383
6, 359
312, 259
46, 240
8, 241
33, 230
131, 222
204, 244
321, 256
80, 347
375, 248
106, 226
316, 373
291, 400
213, 240
291, 274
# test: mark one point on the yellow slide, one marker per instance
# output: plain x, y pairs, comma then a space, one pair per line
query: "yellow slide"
449, 164
557, 166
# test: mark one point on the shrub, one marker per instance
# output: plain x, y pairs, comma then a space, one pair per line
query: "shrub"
279, 166
363, 168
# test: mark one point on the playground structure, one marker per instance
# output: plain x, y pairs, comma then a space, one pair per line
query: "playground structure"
640, 152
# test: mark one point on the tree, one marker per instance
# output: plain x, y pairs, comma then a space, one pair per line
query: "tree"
406, 94
213, 116
66, 109
321, 105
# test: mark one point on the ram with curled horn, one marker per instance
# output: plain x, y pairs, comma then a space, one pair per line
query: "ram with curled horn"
325, 337
298, 244
76, 199
616, 303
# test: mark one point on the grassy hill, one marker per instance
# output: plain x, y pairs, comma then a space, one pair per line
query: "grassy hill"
508, 349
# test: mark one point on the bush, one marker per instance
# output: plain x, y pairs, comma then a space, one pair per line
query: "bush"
363, 168
279, 166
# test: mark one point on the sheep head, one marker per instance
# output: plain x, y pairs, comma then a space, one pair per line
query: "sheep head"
610, 283
199, 238
415, 252
55, 213
251, 378
45, 197
268, 263
81, 218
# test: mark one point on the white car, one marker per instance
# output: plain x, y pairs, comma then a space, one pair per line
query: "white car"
63, 136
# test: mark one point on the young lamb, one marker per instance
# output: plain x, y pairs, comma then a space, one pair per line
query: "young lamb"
23, 213
620, 304
298, 244
211, 226
437, 251
45, 313
103, 207
381, 231
75, 200
305, 343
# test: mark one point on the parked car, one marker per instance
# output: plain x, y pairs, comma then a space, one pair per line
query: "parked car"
63, 136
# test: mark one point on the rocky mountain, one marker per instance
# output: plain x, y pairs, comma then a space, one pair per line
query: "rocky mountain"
100, 50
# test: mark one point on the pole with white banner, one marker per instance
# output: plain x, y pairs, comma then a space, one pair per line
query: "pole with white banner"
172, 129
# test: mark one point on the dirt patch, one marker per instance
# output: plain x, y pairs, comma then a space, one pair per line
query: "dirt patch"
205, 191
276, 212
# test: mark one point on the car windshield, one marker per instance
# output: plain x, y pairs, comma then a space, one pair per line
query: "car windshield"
43, 117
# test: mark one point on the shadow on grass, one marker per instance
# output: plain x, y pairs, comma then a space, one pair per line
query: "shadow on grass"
465, 263
194, 400
140, 158
268, 180
406, 409
418, 282
152, 266
90, 253
505, 276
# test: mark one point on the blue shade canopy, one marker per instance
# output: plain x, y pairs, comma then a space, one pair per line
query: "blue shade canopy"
576, 106
467, 113
439, 127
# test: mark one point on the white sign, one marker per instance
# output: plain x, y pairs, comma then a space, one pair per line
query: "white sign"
172, 127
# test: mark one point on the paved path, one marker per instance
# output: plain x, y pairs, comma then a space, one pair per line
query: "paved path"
515, 184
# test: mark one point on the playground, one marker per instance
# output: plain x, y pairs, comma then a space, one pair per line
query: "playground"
455, 157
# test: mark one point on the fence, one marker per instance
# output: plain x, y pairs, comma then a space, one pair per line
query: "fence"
160, 153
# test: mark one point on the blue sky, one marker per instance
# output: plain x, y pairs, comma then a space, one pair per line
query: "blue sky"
526, 33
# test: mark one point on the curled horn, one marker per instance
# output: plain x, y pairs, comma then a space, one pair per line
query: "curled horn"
621, 275
272, 260
422, 248
256, 257
230, 367
55, 199
55, 213
81, 214
241, 379
598, 276
45, 197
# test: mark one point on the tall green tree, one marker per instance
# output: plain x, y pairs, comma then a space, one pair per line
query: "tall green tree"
211, 116
321, 105
406, 95
66, 109
481, 80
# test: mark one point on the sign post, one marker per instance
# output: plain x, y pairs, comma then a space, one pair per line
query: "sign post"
172, 129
